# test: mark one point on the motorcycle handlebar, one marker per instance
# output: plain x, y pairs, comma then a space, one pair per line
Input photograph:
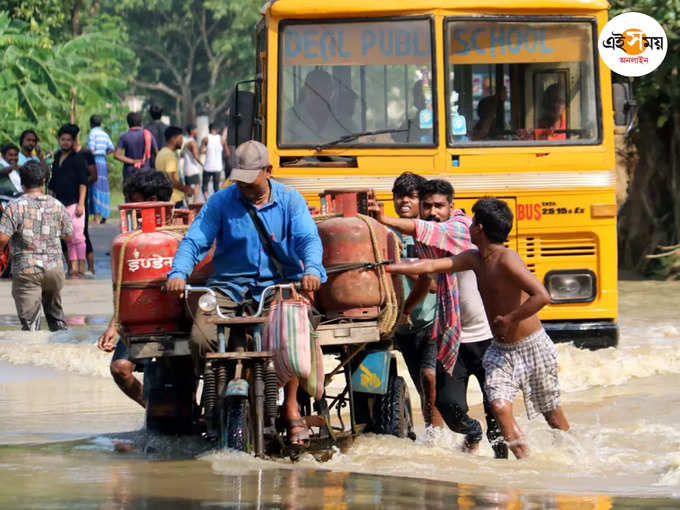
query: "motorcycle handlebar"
260, 307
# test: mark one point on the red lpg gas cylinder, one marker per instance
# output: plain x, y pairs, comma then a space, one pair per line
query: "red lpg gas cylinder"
140, 262
356, 292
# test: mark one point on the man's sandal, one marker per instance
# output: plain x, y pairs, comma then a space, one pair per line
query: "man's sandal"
297, 432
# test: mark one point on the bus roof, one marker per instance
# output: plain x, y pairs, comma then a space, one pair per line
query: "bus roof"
358, 8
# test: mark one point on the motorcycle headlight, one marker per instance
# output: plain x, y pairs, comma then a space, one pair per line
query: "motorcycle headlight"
571, 286
207, 302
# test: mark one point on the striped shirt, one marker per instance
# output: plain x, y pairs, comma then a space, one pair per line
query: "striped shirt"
437, 240
99, 142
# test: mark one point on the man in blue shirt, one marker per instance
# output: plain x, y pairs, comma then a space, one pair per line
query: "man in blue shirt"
242, 266
137, 147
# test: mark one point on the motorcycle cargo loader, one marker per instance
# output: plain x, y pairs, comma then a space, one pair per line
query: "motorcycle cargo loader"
358, 307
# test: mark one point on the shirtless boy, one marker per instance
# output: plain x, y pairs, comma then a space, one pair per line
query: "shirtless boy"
522, 356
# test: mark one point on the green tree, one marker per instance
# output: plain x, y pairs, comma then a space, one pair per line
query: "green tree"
42, 86
191, 53
58, 19
28, 86
651, 215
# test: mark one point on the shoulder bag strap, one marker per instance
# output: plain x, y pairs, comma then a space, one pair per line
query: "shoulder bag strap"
266, 240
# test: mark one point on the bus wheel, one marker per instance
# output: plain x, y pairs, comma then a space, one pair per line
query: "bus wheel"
392, 411
237, 431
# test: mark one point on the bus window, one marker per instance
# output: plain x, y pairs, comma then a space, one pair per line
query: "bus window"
521, 83
370, 82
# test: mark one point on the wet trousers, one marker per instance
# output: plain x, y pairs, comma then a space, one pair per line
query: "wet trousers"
30, 290
451, 398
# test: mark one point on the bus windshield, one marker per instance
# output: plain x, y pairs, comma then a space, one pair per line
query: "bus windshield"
511, 83
356, 84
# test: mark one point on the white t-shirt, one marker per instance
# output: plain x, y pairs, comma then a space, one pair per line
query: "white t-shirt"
475, 326
191, 166
14, 176
213, 156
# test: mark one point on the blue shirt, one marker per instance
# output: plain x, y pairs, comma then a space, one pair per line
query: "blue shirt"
241, 263
23, 159
134, 146
99, 142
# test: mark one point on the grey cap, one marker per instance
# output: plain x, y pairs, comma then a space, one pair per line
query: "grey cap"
251, 157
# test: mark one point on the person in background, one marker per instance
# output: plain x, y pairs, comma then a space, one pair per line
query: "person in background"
553, 114
214, 148
486, 125
166, 161
414, 338
33, 224
521, 356
136, 147
91, 178
192, 162
99, 142
312, 119
29, 142
69, 185
156, 127
144, 186
9, 171
226, 154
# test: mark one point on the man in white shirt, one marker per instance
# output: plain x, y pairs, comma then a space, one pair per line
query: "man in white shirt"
215, 151
9, 174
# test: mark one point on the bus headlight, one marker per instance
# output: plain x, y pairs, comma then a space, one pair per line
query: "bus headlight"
571, 285
207, 302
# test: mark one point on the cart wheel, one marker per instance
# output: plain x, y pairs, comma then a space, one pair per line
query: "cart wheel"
237, 432
392, 411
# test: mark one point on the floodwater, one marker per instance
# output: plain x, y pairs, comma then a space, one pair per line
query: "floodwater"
60, 415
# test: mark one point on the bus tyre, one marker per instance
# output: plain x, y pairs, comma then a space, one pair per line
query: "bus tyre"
392, 411
237, 426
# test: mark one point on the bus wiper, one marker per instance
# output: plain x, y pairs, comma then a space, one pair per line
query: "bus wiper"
354, 136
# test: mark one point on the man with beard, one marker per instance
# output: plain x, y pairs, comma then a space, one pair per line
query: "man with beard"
461, 326
28, 141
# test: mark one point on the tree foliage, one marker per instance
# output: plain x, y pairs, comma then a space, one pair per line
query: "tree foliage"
651, 215
191, 52
42, 84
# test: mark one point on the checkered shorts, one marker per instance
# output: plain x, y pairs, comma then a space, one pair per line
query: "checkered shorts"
529, 365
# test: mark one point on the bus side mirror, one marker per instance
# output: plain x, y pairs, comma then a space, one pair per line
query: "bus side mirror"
625, 107
241, 116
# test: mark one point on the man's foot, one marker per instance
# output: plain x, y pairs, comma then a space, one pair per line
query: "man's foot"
500, 449
297, 432
88, 275
123, 447
470, 447
102, 221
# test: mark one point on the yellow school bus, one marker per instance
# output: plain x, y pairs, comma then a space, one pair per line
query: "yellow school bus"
507, 99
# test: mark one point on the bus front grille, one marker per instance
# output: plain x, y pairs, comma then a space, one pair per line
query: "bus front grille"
556, 245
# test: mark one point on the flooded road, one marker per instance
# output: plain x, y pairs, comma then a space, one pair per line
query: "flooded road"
60, 414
